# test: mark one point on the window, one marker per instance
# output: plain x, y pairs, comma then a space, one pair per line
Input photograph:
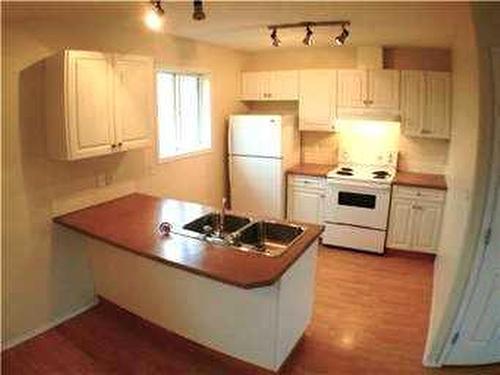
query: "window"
183, 113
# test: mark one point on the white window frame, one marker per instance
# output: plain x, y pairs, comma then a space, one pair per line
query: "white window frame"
206, 75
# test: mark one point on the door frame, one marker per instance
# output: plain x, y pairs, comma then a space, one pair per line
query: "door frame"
491, 204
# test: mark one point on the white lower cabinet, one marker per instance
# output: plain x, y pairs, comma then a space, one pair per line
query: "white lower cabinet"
415, 219
306, 199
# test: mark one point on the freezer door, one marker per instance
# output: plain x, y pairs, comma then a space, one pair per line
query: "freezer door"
257, 186
255, 135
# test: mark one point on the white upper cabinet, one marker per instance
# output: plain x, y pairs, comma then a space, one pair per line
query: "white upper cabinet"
89, 111
383, 89
437, 102
284, 85
254, 85
97, 103
133, 113
366, 91
317, 109
271, 85
412, 101
425, 104
352, 89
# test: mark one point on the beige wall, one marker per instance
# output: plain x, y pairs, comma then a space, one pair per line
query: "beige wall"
45, 273
470, 162
418, 155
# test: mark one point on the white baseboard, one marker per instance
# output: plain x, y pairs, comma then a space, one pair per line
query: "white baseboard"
53, 323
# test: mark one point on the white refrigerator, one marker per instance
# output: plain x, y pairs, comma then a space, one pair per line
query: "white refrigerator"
261, 148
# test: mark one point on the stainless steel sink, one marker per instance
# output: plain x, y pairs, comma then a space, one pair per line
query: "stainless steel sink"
210, 224
242, 233
267, 237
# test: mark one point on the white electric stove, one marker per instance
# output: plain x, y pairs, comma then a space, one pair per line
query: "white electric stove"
357, 207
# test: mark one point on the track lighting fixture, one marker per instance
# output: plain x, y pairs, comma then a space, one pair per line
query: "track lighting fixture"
154, 16
198, 13
274, 37
341, 38
308, 39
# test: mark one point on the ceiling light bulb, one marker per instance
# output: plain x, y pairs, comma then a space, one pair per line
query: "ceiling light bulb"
275, 40
341, 38
198, 13
154, 17
308, 39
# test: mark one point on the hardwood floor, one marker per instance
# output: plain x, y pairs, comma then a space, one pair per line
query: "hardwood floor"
370, 317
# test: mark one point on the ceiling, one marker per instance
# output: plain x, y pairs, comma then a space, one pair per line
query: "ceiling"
242, 24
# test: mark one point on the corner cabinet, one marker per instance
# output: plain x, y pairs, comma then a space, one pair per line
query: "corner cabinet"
269, 85
415, 219
426, 104
317, 100
305, 198
97, 103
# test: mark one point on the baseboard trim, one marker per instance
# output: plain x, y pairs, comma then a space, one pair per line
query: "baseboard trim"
45, 327
410, 253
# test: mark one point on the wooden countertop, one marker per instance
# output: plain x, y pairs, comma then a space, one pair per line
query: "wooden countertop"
131, 223
425, 180
309, 169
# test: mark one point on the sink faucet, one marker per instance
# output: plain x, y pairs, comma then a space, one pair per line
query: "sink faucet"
222, 216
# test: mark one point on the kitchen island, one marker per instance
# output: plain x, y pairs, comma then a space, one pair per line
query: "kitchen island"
246, 305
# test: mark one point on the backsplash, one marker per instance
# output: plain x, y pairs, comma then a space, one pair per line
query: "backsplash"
423, 155
319, 148
415, 154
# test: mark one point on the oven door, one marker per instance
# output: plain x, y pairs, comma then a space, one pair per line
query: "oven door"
358, 203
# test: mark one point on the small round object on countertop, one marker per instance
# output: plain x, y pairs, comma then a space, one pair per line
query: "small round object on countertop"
165, 228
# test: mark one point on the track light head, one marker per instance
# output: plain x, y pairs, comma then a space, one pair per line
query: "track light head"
342, 37
308, 39
154, 16
198, 13
275, 41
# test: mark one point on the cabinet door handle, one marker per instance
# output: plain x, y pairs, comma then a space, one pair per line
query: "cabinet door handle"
425, 131
120, 144
417, 207
113, 146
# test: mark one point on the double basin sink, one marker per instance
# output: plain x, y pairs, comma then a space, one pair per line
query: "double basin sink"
242, 233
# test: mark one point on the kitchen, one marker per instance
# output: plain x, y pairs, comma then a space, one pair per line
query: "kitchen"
58, 270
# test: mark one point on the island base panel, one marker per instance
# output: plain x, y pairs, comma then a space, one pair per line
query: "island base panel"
260, 325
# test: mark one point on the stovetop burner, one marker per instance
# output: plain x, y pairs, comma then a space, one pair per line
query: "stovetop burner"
345, 172
380, 174
363, 173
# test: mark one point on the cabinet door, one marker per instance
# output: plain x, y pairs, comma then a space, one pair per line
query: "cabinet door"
351, 88
283, 85
89, 99
412, 101
133, 97
383, 89
254, 85
317, 100
306, 206
427, 226
400, 224
437, 108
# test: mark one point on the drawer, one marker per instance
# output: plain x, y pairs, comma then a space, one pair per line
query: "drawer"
399, 191
308, 182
